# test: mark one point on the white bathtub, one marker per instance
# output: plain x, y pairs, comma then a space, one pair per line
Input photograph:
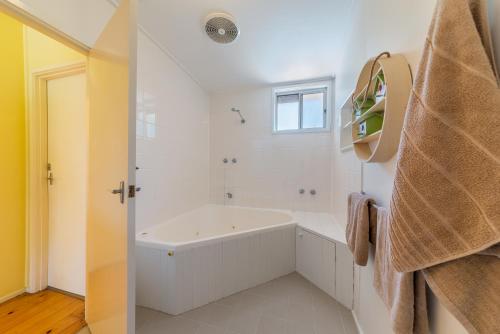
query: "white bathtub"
210, 253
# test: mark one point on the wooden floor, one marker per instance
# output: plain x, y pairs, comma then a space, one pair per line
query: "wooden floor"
42, 313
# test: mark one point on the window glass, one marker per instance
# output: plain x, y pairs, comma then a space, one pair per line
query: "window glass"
313, 111
287, 112
302, 108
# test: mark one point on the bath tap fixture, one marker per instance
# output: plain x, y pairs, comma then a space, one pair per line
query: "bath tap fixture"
225, 160
239, 113
234, 161
313, 192
229, 195
301, 191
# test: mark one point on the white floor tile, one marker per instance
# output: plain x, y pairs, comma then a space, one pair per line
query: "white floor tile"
287, 305
272, 325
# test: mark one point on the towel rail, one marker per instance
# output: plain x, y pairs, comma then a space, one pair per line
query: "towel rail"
373, 205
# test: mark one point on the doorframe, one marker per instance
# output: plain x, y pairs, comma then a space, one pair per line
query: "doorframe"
37, 150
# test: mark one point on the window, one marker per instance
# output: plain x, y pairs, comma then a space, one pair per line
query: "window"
302, 108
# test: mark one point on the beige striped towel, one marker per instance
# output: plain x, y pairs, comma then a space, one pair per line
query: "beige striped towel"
402, 293
446, 197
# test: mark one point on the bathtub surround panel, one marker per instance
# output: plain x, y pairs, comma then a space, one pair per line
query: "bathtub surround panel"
217, 251
172, 138
271, 168
199, 275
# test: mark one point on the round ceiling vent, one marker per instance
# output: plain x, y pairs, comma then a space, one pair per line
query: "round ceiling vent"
220, 27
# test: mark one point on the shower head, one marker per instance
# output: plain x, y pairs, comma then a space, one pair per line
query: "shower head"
239, 113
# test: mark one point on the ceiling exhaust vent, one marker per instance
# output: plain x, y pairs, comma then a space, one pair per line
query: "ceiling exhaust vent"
220, 27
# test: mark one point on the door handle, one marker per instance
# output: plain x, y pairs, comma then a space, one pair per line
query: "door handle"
120, 191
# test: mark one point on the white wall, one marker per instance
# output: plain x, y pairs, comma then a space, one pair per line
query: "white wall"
270, 168
399, 27
172, 138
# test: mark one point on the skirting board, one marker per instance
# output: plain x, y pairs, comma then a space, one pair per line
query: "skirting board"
11, 295
358, 326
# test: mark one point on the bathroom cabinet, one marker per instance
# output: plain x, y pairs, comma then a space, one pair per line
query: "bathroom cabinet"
325, 263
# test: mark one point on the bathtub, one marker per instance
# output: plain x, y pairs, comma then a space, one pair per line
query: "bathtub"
210, 253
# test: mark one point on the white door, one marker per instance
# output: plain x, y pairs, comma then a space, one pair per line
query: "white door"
110, 299
67, 157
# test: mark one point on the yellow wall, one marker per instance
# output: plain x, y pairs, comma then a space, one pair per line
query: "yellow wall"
12, 158
24, 50
43, 52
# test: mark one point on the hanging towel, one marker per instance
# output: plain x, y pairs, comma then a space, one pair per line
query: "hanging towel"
470, 289
445, 203
402, 293
358, 227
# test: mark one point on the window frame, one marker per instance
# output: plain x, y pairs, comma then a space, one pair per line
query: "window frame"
302, 89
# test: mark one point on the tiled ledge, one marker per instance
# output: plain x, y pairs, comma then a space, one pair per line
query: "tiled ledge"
322, 224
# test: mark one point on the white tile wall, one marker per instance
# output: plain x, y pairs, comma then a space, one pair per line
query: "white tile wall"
172, 138
270, 168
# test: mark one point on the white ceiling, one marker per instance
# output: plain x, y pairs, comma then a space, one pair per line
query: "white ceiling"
280, 40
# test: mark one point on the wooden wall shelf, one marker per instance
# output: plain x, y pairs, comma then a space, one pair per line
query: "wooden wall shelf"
381, 145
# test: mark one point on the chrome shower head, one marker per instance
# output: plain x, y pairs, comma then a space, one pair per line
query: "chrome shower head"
239, 113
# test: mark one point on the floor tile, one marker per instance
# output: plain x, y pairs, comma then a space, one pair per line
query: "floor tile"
244, 321
145, 315
208, 329
211, 314
170, 325
276, 308
272, 325
297, 327
287, 305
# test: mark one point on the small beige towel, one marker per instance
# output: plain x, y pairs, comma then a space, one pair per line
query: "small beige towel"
445, 203
402, 293
358, 227
470, 289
